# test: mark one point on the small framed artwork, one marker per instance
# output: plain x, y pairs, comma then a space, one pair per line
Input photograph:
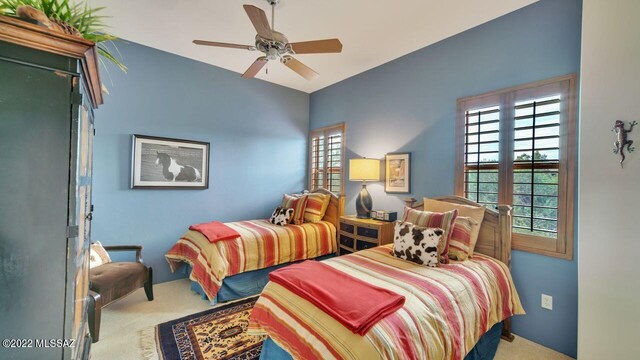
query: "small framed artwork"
164, 163
397, 173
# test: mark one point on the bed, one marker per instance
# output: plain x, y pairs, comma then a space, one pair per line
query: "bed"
231, 269
457, 311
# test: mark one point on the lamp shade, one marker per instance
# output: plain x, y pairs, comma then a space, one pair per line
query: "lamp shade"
364, 169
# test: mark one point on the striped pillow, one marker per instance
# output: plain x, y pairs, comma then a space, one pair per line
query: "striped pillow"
444, 221
459, 247
298, 204
316, 207
474, 212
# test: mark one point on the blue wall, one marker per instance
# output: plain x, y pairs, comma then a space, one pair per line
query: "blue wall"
258, 134
409, 105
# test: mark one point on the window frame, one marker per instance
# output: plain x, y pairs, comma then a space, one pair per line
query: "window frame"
562, 246
325, 131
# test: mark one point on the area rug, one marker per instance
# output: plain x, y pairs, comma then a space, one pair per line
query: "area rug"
219, 333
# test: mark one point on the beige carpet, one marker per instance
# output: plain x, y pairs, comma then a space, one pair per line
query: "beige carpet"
123, 322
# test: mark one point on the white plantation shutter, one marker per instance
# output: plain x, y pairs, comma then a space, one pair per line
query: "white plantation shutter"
326, 158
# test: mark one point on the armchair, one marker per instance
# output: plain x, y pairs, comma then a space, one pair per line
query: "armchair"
112, 281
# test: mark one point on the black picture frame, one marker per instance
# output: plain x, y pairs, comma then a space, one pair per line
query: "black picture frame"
389, 160
184, 164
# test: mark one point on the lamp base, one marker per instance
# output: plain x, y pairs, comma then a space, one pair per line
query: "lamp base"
364, 203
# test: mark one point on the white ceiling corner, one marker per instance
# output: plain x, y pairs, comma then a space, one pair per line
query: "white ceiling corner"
373, 32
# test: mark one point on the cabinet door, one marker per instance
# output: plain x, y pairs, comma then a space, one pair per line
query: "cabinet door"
80, 208
34, 162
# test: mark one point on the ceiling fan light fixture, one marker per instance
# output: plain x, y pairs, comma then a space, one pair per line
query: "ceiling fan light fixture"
275, 45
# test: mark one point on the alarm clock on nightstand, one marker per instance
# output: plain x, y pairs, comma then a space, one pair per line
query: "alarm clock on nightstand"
384, 215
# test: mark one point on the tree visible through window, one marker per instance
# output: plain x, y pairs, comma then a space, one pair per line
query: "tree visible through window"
517, 147
536, 166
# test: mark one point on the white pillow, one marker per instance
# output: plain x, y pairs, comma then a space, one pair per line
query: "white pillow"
98, 255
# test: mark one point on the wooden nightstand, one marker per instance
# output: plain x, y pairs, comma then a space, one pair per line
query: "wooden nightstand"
358, 234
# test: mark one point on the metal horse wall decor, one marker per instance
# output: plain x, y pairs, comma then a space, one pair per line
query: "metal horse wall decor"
621, 139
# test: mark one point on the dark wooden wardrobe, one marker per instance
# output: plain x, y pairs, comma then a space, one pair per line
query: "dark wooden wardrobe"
49, 86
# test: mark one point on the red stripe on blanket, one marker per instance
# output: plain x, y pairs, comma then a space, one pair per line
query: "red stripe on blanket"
444, 301
269, 242
290, 338
327, 288
505, 289
322, 229
215, 231
403, 335
199, 272
478, 291
298, 241
232, 257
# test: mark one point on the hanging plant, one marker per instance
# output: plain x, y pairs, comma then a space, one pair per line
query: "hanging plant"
72, 18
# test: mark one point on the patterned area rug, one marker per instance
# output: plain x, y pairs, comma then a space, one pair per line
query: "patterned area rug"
219, 333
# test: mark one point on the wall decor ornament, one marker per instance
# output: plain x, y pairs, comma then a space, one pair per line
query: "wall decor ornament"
622, 139
165, 163
397, 173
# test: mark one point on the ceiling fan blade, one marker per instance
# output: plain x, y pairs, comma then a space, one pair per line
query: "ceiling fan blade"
317, 46
259, 20
225, 45
255, 68
302, 69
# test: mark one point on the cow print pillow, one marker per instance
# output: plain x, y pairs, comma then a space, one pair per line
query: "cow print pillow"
281, 216
417, 244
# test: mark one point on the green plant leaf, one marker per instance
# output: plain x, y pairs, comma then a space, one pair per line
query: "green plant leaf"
83, 18
107, 55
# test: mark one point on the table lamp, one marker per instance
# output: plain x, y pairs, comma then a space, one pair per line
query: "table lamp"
364, 170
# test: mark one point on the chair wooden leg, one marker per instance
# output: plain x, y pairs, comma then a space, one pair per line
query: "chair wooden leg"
506, 330
148, 286
95, 312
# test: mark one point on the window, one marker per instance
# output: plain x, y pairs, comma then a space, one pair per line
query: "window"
517, 146
326, 152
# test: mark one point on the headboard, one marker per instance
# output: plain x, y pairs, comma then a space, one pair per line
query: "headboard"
335, 208
495, 232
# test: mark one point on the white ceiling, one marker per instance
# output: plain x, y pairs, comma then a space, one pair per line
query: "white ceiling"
373, 32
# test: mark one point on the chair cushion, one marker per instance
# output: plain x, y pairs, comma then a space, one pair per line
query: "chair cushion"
117, 279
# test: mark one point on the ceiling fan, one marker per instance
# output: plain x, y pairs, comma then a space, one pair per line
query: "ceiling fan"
276, 46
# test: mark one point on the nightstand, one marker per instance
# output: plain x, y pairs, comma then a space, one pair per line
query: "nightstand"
358, 234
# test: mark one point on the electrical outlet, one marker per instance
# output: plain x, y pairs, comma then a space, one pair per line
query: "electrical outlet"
547, 302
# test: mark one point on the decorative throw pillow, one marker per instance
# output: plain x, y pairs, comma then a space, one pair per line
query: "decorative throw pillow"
298, 204
444, 221
474, 212
98, 255
316, 207
417, 244
281, 216
459, 246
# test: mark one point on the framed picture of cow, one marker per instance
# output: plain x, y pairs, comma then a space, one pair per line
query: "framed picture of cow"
164, 163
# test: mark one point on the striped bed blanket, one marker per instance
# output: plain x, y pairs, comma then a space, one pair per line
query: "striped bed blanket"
260, 245
447, 310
